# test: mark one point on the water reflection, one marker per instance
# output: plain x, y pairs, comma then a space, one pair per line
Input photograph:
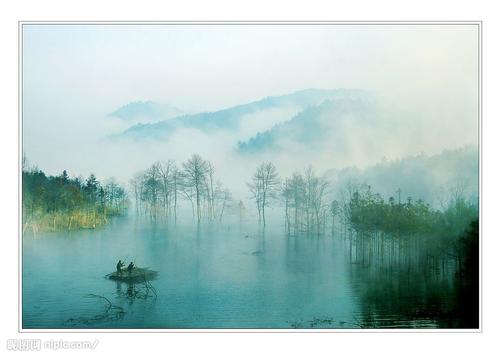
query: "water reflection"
408, 300
216, 276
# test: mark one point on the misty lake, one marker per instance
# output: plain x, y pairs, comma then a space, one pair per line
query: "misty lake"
218, 277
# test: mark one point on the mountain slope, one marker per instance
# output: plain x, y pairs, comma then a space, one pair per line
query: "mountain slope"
233, 118
433, 178
314, 125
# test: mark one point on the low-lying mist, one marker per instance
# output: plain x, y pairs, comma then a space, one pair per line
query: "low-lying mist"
352, 129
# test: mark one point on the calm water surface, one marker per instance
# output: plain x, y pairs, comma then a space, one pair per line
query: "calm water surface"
209, 277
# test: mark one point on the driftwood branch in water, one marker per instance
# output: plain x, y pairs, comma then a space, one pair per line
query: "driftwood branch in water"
111, 312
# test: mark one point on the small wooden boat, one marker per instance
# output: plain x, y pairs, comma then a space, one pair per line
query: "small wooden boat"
137, 275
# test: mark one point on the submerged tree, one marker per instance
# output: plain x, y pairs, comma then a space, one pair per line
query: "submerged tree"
161, 187
151, 191
264, 186
195, 171
136, 184
305, 206
409, 234
241, 211
166, 169
156, 190
334, 212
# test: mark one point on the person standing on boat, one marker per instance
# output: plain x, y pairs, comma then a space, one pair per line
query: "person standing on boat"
130, 267
119, 266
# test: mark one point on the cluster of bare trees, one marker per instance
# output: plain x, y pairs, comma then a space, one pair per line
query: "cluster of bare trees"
264, 187
156, 190
306, 206
304, 196
159, 189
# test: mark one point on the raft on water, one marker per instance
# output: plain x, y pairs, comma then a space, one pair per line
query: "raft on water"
137, 275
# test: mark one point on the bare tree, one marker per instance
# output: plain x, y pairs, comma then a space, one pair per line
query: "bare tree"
255, 188
165, 171
241, 211
210, 191
136, 185
222, 200
151, 190
334, 211
304, 200
176, 185
195, 171
264, 186
316, 189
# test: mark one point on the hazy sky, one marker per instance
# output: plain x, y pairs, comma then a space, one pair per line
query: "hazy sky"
73, 75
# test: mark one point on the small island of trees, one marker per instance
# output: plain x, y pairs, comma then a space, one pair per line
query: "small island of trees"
60, 202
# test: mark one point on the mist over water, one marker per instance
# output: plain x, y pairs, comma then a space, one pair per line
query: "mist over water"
226, 276
371, 132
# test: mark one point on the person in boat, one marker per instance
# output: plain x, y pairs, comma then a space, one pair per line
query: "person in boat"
130, 267
119, 267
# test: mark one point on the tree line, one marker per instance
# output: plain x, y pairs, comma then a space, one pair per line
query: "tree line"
384, 234
394, 234
61, 202
408, 235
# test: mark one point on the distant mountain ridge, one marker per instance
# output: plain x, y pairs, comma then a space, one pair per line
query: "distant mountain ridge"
231, 119
313, 125
146, 111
